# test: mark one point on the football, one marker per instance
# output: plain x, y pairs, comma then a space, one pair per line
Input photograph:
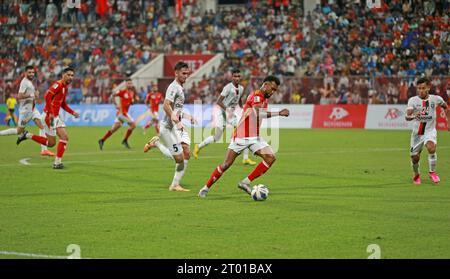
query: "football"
260, 192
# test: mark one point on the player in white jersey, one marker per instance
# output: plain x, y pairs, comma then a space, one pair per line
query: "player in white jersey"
422, 109
173, 133
27, 109
227, 102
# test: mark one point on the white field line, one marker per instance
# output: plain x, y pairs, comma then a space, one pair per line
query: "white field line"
31, 255
371, 150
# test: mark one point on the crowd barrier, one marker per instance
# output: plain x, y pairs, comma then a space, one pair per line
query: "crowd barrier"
389, 117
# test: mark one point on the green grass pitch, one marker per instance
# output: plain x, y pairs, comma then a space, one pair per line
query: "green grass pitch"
332, 193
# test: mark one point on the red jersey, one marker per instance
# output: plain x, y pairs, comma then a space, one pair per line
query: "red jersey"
249, 126
126, 99
154, 98
55, 99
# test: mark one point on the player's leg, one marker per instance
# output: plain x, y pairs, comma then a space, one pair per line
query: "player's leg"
218, 171
49, 140
173, 141
44, 149
131, 126
117, 124
263, 150
415, 150
432, 160
155, 142
218, 132
61, 148
9, 132
155, 121
185, 145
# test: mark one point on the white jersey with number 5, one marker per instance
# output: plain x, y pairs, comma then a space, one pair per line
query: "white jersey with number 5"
427, 111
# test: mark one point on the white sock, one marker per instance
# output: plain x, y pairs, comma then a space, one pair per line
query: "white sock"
246, 180
185, 164
164, 150
432, 159
57, 160
179, 172
8, 132
42, 134
415, 167
205, 188
207, 141
245, 154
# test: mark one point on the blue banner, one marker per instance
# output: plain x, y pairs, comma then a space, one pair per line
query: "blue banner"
104, 115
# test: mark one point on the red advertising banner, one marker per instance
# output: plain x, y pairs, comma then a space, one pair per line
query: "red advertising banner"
195, 61
441, 119
339, 116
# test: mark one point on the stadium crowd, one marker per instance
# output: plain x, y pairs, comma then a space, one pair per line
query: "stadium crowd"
341, 52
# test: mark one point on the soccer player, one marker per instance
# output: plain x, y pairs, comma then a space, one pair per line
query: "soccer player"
27, 109
55, 99
173, 132
153, 99
246, 135
11, 105
422, 110
126, 99
228, 99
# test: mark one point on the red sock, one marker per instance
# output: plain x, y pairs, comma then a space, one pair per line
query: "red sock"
39, 139
214, 177
127, 135
147, 126
61, 148
107, 135
259, 170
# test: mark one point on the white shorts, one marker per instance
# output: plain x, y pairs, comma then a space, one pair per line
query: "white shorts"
26, 116
254, 144
124, 118
57, 123
154, 114
418, 141
174, 138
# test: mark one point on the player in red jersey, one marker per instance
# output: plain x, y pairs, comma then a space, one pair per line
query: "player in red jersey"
126, 99
152, 100
55, 99
246, 135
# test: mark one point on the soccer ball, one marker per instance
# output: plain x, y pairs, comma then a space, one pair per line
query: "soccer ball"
260, 192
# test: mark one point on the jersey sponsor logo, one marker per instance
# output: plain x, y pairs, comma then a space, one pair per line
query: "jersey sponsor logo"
393, 113
55, 86
125, 95
257, 99
338, 113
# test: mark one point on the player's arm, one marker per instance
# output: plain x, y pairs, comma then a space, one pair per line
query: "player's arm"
173, 116
444, 106
189, 117
118, 102
283, 112
22, 92
409, 116
220, 103
69, 109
